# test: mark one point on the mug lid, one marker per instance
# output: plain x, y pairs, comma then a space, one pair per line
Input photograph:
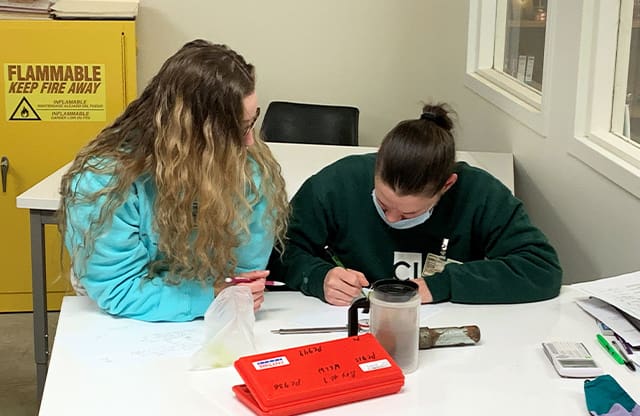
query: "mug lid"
393, 290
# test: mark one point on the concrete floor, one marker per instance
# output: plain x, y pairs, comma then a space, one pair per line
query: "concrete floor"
17, 365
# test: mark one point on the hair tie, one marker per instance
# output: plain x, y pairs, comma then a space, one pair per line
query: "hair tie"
428, 115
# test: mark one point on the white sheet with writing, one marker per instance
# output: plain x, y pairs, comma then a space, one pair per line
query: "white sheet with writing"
606, 313
622, 291
126, 341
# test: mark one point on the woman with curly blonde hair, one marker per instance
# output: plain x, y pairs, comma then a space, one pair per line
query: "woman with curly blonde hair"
176, 194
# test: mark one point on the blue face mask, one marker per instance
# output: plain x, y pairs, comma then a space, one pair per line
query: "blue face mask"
402, 224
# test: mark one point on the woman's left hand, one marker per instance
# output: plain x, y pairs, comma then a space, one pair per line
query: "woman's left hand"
258, 279
423, 290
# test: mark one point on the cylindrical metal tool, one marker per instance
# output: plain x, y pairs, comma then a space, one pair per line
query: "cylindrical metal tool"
448, 336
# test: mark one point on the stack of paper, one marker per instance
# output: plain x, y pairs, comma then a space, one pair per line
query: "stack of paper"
24, 9
95, 9
612, 299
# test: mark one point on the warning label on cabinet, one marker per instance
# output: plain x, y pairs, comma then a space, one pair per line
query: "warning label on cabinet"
55, 92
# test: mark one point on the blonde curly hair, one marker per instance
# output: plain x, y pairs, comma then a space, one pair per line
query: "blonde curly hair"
186, 131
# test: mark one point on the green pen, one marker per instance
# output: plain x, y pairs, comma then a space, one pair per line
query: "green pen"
337, 262
612, 351
333, 256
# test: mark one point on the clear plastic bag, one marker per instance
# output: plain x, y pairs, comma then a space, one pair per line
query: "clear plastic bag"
229, 322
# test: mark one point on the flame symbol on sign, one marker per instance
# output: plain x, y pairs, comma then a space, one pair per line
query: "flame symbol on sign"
24, 112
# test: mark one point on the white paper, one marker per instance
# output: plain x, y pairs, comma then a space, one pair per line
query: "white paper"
128, 341
622, 291
522, 67
528, 75
607, 314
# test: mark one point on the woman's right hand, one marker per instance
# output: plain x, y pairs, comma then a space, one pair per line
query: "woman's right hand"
258, 279
342, 285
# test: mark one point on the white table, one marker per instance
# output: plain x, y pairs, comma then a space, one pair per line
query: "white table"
98, 367
298, 161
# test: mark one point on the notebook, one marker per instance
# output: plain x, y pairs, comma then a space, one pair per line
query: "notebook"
316, 376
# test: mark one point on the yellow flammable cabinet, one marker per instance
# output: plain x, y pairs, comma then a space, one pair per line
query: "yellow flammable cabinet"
62, 82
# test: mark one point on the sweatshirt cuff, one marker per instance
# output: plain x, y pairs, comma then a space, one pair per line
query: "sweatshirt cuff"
440, 286
313, 283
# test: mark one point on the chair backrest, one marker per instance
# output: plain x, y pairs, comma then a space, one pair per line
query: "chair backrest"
289, 122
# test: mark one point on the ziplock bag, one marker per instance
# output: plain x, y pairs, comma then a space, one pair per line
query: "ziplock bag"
228, 322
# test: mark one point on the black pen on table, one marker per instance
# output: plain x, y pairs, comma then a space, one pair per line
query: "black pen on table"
337, 262
625, 357
624, 343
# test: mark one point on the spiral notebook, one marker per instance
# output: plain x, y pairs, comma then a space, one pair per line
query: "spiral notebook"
316, 376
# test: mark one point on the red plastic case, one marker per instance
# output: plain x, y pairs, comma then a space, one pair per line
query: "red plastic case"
316, 376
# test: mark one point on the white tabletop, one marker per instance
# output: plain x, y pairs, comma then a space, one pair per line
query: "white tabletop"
103, 365
298, 161
45, 194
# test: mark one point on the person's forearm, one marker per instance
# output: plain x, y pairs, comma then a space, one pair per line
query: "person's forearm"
303, 271
496, 281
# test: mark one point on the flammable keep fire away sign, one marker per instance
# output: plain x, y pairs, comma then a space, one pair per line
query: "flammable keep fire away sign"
55, 92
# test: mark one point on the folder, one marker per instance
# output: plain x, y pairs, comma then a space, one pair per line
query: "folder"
316, 376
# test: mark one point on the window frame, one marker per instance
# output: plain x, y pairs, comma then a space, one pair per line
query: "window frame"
522, 102
594, 142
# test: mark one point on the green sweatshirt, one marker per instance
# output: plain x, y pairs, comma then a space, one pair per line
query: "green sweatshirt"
505, 259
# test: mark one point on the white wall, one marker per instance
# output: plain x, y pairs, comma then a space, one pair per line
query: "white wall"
385, 57
366, 53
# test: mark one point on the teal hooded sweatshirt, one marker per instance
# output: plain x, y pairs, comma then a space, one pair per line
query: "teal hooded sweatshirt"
116, 273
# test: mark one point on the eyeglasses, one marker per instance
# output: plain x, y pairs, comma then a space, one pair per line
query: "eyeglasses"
252, 124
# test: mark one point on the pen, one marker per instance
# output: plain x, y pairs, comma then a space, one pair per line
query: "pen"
624, 344
336, 259
319, 330
612, 351
235, 280
337, 262
626, 359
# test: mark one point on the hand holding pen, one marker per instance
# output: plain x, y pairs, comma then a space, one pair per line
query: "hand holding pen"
342, 285
255, 280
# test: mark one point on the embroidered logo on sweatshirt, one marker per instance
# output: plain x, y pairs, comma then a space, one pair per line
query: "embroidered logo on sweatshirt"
407, 265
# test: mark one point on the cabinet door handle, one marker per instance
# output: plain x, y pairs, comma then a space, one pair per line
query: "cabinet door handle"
4, 166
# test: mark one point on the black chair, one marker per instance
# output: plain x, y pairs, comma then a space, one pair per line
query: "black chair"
290, 122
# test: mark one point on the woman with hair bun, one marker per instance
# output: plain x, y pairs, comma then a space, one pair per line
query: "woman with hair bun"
410, 211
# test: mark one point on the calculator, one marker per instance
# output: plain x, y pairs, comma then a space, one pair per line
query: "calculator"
571, 359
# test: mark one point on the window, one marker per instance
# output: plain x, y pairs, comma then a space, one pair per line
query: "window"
608, 122
626, 102
508, 56
503, 34
519, 46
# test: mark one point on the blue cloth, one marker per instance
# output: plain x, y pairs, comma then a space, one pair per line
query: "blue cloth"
115, 274
605, 397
